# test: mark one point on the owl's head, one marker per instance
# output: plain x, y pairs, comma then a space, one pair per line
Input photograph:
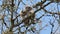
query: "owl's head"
28, 8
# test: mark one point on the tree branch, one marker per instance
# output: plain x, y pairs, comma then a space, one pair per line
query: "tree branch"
30, 15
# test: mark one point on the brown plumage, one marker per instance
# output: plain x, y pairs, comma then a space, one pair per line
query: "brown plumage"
27, 13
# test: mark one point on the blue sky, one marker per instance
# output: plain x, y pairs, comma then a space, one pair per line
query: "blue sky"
45, 19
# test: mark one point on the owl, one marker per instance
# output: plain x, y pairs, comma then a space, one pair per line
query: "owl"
28, 12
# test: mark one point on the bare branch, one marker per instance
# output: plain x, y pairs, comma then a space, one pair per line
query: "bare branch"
30, 15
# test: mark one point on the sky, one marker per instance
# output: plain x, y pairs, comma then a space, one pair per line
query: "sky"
45, 19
